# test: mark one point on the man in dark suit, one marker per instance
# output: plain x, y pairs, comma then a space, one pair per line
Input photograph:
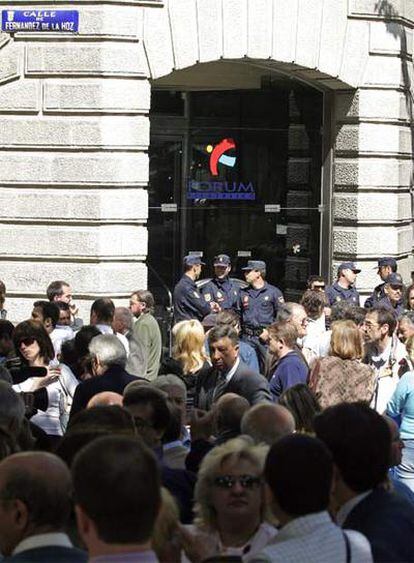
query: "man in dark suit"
35, 492
108, 363
229, 374
360, 442
117, 487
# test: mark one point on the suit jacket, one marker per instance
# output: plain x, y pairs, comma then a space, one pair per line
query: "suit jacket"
114, 379
49, 554
387, 521
245, 382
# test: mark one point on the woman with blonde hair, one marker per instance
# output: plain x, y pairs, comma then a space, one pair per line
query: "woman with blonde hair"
189, 359
230, 503
341, 376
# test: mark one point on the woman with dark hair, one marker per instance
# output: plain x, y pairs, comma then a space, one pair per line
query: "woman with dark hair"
304, 406
409, 298
35, 349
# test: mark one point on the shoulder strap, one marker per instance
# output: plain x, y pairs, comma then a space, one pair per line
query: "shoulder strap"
347, 548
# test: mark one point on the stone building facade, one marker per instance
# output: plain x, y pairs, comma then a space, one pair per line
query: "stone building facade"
75, 128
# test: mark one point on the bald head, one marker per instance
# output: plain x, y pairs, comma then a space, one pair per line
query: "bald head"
105, 399
267, 423
36, 487
229, 411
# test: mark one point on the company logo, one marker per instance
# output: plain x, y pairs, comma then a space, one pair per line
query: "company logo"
10, 15
217, 154
220, 190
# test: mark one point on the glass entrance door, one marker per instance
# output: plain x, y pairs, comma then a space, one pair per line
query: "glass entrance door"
237, 172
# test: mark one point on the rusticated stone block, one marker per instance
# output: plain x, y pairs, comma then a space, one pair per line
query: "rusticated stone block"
20, 97
259, 29
73, 241
210, 30
92, 132
73, 168
97, 95
90, 59
75, 205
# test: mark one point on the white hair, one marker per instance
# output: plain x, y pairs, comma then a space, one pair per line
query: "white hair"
108, 349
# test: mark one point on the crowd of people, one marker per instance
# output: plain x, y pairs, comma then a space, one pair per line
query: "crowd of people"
272, 431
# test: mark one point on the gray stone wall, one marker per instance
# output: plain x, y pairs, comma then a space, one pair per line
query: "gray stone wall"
74, 131
74, 128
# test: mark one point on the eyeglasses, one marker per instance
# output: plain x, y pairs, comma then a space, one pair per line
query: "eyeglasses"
28, 341
368, 324
245, 481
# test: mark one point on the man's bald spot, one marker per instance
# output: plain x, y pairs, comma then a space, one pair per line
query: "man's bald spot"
42, 465
104, 399
267, 423
229, 398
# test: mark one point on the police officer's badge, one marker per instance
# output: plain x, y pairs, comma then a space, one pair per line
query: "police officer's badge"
266, 298
207, 297
337, 299
219, 295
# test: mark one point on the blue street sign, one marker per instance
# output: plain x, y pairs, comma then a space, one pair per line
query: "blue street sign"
39, 20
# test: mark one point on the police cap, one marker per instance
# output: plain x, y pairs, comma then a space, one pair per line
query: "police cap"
387, 261
395, 279
222, 260
193, 260
255, 265
348, 266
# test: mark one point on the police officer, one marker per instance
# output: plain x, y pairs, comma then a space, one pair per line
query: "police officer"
221, 289
188, 301
343, 289
393, 292
386, 266
257, 306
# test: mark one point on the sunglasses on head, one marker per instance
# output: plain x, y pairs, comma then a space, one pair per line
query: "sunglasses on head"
245, 481
28, 341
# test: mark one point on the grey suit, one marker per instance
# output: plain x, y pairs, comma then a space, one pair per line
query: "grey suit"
245, 382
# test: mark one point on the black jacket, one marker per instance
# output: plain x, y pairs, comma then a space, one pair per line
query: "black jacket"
387, 521
114, 379
245, 382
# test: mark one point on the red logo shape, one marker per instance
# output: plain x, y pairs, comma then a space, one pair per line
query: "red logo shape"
218, 151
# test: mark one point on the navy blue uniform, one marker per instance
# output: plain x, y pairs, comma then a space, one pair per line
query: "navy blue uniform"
396, 310
188, 301
258, 309
375, 296
336, 293
224, 292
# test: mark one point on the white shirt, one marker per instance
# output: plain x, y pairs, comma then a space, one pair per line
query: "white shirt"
106, 329
232, 371
263, 536
315, 539
43, 540
59, 335
348, 507
60, 395
386, 365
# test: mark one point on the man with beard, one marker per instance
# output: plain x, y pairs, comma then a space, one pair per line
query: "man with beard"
384, 352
